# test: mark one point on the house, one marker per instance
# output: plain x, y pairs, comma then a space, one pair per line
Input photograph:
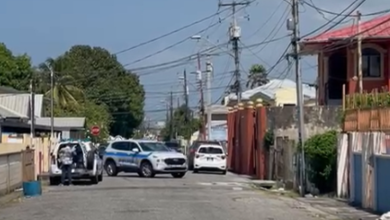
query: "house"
277, 92
15, 116
336, 51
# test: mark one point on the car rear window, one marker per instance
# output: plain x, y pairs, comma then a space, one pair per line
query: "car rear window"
210, 150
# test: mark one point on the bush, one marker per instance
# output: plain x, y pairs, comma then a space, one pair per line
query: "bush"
321, 159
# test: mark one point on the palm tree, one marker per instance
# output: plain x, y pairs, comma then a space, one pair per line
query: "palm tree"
65, 92
257, 76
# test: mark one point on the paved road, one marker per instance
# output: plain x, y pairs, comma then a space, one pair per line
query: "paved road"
197, 196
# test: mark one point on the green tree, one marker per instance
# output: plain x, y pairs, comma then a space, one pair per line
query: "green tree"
180, 125
15, 71
321, 156
66, 92
94, 114
257, 76
105, 82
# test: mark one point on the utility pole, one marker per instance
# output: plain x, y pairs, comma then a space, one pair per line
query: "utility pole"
171, 116
209, 71
293, 25
359, 53
186, 96
202, 109
32, 113
235, 34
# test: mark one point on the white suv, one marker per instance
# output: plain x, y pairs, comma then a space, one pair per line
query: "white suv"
87, 163
145, 157
211, 158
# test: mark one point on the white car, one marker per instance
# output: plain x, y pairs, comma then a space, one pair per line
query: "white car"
210, 158
145, 157
87, 163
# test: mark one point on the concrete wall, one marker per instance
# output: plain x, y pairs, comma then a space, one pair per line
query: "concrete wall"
285, 96
10, 172
318, 119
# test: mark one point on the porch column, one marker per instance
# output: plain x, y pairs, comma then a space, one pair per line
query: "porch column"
351, 72
325, 74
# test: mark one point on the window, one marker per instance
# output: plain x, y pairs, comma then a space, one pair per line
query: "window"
134, 145
210, 150
121, 146
153, 146
371, 63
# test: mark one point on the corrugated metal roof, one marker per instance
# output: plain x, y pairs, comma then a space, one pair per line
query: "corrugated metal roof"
8, 113
376, 27
20, 103
62, 122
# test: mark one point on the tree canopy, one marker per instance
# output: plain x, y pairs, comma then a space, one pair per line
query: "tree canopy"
88, 82
180, 125
257, 76
15, 71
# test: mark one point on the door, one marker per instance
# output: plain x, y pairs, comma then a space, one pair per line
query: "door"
122, 153
135, 159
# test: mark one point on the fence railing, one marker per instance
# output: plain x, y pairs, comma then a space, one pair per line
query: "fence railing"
16, 168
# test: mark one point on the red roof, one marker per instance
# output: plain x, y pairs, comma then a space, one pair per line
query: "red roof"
376, 27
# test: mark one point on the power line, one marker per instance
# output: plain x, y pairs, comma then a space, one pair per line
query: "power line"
170, 33
178, 43
340, 14
334, 18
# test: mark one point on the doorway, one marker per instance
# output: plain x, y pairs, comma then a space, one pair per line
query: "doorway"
337, 76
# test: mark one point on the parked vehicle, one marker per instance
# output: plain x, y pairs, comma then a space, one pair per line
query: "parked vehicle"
101, 150
87, 163
210, 157
145, 157
173, 146
193, 148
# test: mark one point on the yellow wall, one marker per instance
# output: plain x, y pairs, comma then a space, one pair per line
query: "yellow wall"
41, 147
285, 96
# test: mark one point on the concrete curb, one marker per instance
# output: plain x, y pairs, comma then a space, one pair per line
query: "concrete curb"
11, 197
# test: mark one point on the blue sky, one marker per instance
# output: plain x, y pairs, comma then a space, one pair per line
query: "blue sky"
44, 28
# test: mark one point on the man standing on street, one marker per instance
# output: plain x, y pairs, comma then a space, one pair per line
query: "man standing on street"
66, 157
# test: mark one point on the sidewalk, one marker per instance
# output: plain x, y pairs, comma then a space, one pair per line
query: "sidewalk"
331, 207
337, 208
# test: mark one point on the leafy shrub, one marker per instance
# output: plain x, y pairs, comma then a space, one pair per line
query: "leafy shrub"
321, 159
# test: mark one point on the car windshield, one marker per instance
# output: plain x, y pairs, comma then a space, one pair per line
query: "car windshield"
153, 146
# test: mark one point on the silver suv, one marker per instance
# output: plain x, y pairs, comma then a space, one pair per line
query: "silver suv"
145, 157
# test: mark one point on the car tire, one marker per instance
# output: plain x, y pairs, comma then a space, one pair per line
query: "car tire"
146, 170
178, 175
224, 172
195, 171
54, 181
111, 168
95, 179
100, 177
90, 159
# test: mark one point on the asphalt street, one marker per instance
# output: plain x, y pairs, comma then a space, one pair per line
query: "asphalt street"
196, 196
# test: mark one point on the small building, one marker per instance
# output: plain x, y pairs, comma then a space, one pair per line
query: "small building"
337, 58
277, 92
15, 117
66, 127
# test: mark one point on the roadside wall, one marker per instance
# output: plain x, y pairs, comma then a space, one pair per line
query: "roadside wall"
10, 172
283, 122
318, 119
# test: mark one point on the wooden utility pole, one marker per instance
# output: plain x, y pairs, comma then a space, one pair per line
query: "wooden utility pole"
186, 96
171, 120
202, 109
359, 53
